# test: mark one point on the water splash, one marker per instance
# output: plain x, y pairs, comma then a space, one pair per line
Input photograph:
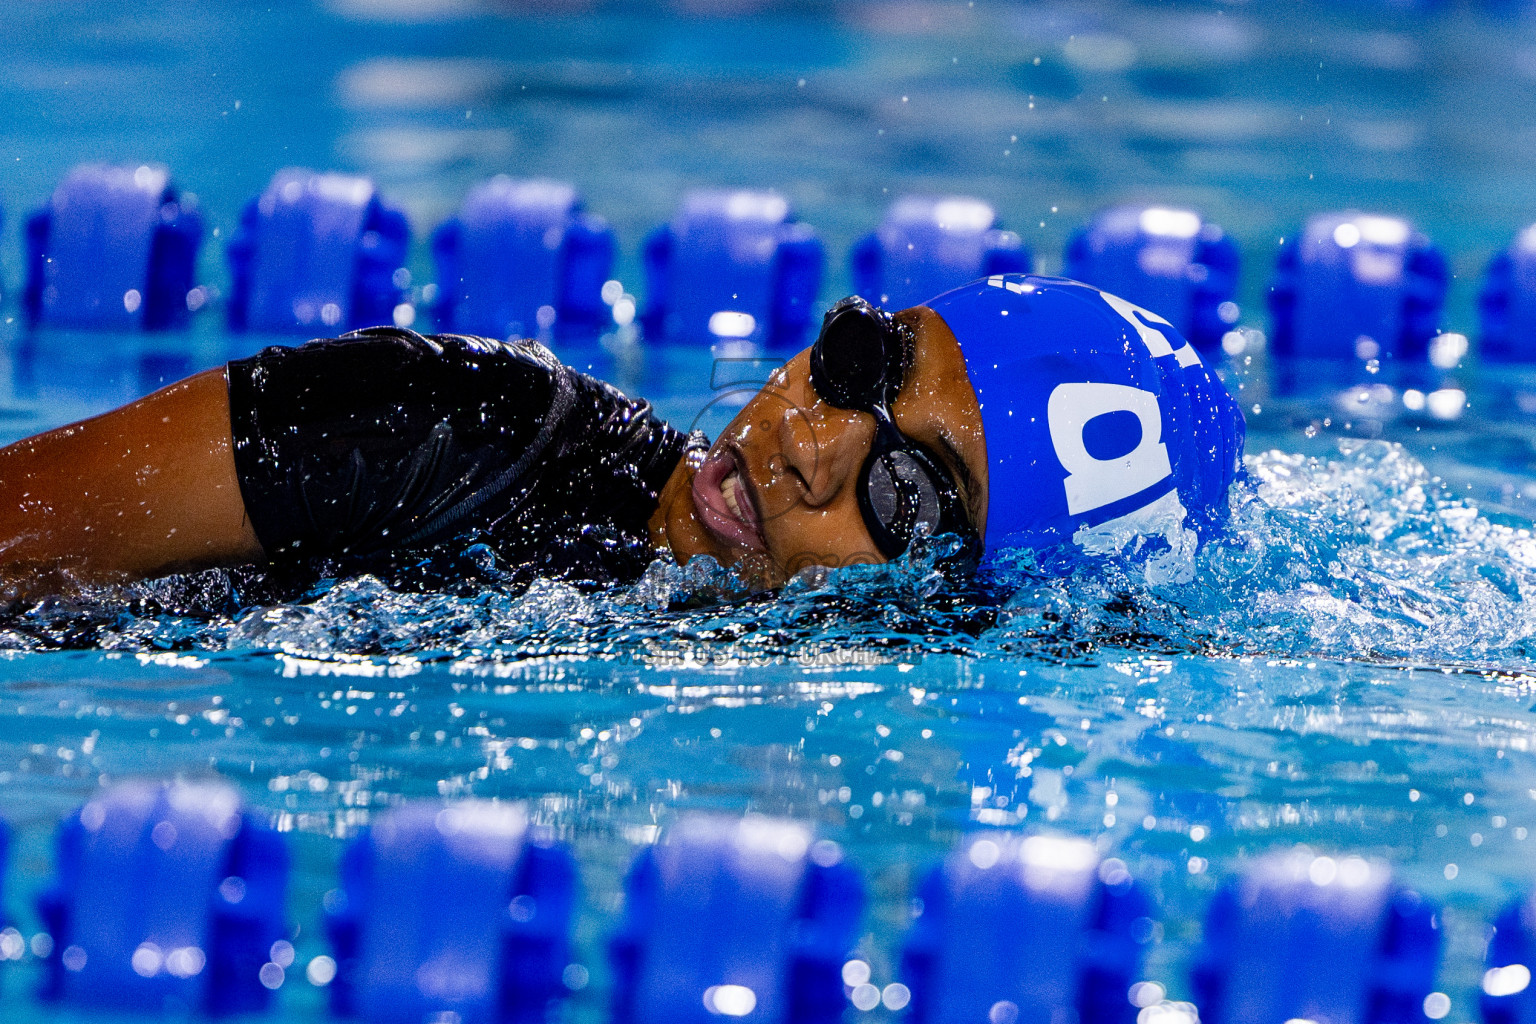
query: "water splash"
1358, 555
1364, 555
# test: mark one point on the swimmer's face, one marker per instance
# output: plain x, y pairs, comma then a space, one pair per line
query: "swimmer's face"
778, 491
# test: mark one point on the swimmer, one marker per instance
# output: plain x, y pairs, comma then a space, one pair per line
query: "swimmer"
1017, 412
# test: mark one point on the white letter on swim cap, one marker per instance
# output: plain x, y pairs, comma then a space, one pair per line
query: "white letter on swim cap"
1093, 483
1156, 341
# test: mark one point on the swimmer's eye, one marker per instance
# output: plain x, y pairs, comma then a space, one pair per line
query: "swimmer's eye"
904, 498
905, 490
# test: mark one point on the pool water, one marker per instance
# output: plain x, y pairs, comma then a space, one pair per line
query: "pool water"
1349, 667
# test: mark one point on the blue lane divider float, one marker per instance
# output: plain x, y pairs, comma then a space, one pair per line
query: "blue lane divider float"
1355, 288
1507, 996
1169, 260
166, 899
929, 244
1307, 937
750, 918
114, 249
733, 267
1026, 928
1507, 303
524, 259
458, 912
169, 899
317, 253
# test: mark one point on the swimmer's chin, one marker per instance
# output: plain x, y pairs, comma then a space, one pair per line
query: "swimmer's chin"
677, 529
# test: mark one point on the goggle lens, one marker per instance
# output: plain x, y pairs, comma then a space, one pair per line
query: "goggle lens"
860, 358
903, 496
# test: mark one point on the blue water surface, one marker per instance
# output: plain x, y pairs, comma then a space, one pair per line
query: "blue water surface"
1349, 667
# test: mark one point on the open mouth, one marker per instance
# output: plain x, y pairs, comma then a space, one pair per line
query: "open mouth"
723, 500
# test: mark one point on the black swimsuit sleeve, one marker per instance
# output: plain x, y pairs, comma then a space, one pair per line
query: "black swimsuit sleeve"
387, 440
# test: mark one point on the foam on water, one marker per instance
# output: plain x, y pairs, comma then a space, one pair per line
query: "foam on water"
1359, 555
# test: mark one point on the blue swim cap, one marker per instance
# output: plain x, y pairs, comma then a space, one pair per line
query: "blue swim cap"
1101, 422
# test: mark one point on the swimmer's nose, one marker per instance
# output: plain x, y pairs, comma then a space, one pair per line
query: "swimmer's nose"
825, 446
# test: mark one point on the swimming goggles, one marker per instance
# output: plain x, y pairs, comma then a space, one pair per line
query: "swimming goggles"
859, 361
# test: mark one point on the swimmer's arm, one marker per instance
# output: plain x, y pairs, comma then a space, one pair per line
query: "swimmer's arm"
144, 489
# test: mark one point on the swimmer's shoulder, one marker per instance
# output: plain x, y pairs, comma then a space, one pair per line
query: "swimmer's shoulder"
465, 344
390, 350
